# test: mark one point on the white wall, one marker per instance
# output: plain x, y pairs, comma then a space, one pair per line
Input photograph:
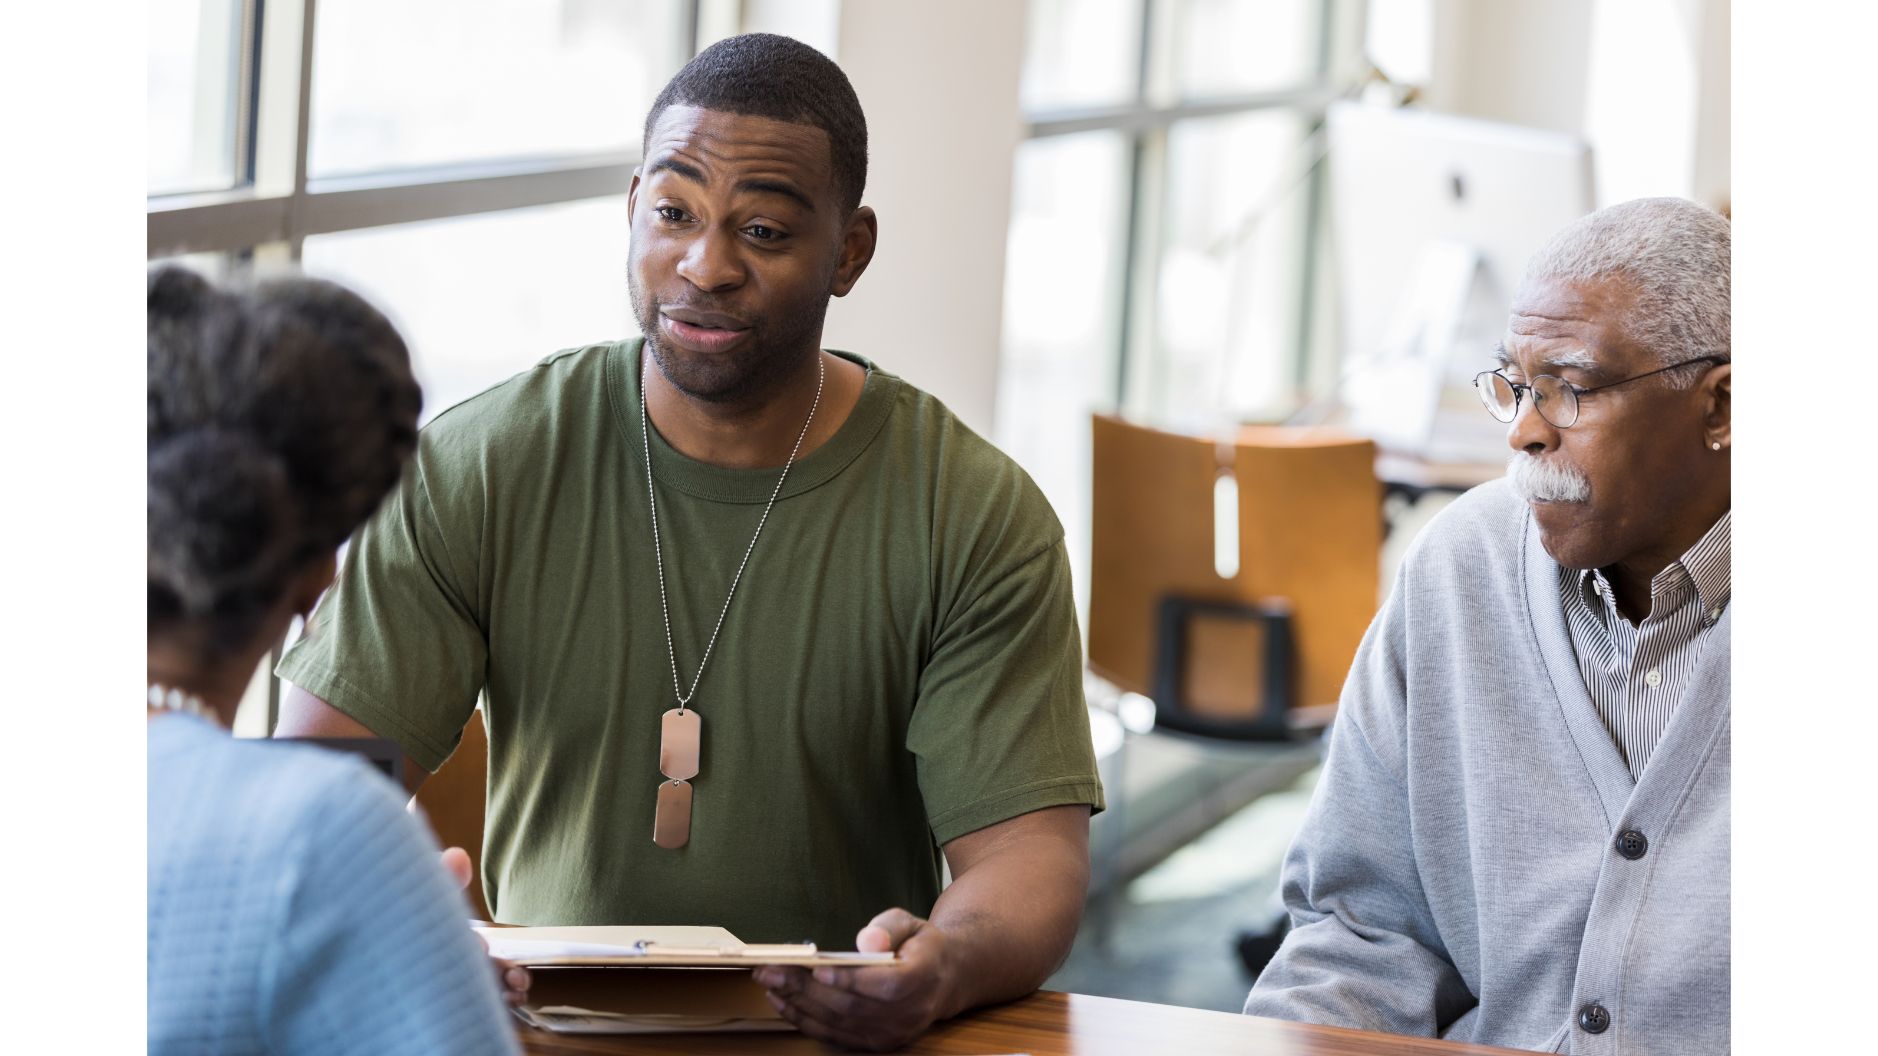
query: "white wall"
816, 23
1646, 81
1522, 61
939, 84
1714, 105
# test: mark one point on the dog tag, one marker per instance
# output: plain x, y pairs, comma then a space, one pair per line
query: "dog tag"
678, 744
671, 824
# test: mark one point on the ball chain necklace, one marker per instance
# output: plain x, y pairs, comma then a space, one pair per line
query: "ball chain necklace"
679, 727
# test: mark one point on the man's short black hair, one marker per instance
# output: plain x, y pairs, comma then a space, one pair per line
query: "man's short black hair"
766, 75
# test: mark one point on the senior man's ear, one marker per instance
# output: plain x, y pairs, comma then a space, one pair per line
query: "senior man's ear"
1717, 420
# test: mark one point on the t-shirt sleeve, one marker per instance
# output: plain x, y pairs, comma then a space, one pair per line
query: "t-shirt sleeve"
999, 727
396, 643
375, 954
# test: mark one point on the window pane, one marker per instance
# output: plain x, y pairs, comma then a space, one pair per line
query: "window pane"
429, 82
1227, 294
212, 266
1081, 53
191, 78
1221, 47
1062, 307
483, 297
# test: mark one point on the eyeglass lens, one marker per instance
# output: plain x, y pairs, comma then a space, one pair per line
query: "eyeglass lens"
1552, 397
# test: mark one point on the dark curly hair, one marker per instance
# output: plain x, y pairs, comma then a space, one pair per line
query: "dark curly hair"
767, 75
280, 416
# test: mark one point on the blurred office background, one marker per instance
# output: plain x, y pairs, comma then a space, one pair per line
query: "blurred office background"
1087, 207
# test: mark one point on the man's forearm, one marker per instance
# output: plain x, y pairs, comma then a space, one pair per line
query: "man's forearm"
1009, 921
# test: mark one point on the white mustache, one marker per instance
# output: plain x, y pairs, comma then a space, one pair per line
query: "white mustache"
1543, 480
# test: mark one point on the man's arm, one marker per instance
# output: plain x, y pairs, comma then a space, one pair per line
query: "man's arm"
1365, 950
1005, 923
304, 715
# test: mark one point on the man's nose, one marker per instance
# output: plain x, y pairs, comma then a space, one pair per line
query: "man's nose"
711, 262
1530, 432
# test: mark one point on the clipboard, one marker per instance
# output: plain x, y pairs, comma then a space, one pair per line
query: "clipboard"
626, 979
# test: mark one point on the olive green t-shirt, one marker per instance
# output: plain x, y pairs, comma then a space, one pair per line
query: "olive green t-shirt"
900, 665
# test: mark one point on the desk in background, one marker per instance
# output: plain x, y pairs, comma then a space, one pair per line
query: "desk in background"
1047, 1024
1411, 477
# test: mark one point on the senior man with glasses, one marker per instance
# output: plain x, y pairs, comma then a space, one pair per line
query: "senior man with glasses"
1521, 833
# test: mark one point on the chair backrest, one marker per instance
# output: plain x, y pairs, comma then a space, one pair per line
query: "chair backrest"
1310, 540
455, 799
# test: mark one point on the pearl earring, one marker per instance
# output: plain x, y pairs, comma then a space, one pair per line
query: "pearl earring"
1714, 445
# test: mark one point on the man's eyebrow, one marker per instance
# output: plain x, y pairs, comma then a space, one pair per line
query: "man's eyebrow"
685, 169
1564, 359
756, 185
785, 189
1572, 359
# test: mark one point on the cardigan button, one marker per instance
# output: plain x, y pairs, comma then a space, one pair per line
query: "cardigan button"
1592, 1019
1632, 844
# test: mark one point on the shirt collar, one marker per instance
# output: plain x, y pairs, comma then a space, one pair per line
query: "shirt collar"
1707, 565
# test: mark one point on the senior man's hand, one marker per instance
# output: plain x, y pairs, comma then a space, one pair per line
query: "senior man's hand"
877, 1007
512, 980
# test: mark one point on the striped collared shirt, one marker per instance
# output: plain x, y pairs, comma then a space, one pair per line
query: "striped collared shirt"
1636, 673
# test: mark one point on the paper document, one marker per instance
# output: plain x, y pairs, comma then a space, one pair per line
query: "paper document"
585, 943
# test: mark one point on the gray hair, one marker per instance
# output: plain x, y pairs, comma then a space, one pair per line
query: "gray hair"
1673, 253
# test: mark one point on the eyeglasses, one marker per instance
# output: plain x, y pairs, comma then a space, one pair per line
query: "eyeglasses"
1555, 399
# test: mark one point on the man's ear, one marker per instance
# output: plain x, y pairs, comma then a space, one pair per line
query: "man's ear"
1717, 418
632, 195
857, 249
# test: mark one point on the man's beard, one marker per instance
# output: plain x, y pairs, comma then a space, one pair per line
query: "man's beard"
775, 350
1545, 480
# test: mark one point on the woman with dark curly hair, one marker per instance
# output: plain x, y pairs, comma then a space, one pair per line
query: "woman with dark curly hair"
294, 904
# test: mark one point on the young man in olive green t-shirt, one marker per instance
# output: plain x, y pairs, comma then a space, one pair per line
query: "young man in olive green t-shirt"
894, 677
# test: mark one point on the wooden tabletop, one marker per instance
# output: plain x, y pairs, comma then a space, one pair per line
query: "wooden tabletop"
1047, 1024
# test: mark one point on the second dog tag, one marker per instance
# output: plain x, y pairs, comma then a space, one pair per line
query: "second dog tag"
671, 825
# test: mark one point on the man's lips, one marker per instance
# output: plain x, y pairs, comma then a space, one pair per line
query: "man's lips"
703, 331
708, 320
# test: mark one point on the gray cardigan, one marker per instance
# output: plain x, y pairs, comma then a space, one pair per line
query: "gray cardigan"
1458, 873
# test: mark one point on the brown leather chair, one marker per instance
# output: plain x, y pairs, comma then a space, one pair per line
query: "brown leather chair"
1232, 657
455, 797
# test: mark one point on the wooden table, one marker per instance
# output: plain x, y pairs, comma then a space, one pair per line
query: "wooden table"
1047, 1024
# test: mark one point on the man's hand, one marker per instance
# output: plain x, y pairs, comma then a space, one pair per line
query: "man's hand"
877, 1008
1004, 924
512, 980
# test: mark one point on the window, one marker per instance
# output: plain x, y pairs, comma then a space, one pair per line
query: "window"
424, 276
1223, 47
1065, 265
1163, 225
435, 82
1227, 276
1081, 53
193, 84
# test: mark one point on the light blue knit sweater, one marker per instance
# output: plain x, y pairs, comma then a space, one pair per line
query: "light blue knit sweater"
1457, 873
297, 907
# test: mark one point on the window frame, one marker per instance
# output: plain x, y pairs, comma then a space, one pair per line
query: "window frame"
275, 207
1147, 122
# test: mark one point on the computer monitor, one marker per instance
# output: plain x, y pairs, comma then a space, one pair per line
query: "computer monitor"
1433, 220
